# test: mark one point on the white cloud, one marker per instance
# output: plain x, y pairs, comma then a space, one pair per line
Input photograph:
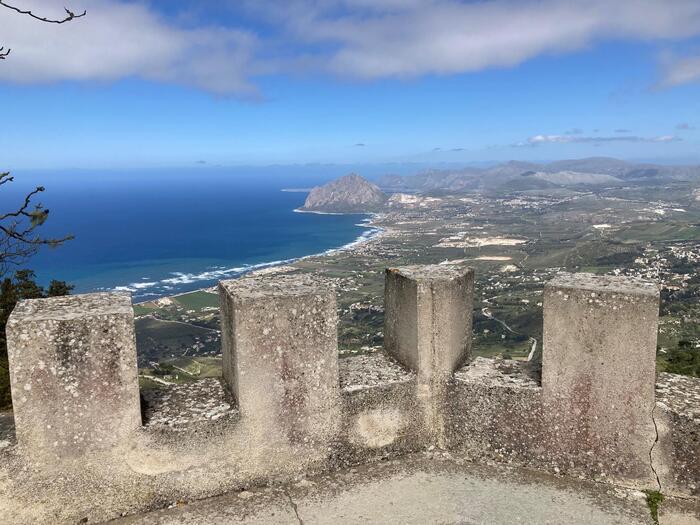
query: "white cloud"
119, 40
409, 38
663, 138
537, 140
349, 38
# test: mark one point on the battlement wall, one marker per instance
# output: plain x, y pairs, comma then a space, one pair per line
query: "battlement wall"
288, 407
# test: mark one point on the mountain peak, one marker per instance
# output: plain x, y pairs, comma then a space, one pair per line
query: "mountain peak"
348, 194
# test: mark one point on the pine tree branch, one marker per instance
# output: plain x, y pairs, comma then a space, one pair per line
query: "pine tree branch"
18, 229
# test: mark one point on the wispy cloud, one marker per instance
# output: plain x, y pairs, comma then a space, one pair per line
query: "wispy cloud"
365, 39
679, 70
537, 140
623, 130
684, 126
449, 150
408, 38
360, 145
573, 131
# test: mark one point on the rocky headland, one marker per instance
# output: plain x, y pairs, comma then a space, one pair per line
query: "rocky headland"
348, 194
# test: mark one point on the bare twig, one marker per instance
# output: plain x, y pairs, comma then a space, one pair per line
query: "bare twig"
70, 15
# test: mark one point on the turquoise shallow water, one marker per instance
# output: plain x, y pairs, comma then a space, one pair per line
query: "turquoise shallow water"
158, 233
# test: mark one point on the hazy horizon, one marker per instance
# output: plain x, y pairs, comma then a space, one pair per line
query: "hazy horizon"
375, 168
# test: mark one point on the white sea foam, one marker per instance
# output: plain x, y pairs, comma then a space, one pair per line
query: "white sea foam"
299, 210
142, 285
149, 288
366, 236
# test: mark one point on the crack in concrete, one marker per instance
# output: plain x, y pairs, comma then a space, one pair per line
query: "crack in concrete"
294, 507
651, 450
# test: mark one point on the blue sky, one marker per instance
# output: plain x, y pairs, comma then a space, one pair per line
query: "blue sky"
140, 84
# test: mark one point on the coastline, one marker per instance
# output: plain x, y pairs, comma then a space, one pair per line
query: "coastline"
373, 232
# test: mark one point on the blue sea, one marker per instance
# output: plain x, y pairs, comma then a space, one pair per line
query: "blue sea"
162, 232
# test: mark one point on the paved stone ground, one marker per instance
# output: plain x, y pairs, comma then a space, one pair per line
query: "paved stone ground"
420, 489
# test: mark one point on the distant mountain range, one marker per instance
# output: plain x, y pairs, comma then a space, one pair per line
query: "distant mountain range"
348, 194
521, 176
354, 194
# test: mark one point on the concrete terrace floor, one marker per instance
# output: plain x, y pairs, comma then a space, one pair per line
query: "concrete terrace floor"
426, 488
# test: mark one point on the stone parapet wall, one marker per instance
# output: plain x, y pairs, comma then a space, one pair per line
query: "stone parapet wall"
287, 407
497, 412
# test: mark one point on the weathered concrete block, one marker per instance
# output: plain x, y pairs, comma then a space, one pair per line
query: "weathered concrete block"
677, 418
428, 318
379, 409
280, 355
73, 372
598, 369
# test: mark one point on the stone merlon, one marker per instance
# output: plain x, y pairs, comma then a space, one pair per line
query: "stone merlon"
73, 373
599, 366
